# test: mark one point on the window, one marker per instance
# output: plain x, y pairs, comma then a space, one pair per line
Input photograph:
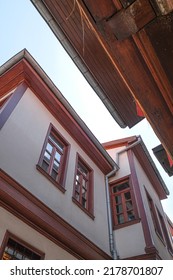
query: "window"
159, 224
154, 217
165, 233
122, 202
54, 156
83, 185
13, 249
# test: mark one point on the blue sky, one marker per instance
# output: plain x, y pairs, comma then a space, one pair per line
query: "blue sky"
23, 27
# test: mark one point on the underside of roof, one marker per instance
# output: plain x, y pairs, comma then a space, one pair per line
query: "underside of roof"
125, 51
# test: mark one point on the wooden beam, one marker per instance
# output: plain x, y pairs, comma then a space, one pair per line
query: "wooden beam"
129, 21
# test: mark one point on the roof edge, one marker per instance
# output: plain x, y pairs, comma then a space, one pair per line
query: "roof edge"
24, 54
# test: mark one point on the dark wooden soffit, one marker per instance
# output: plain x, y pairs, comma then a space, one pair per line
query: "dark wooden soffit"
127, 48
162, 157
32, 211
22, 71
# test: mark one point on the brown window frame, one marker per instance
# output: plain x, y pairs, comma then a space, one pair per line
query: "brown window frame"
155, 217
62, 160
166, 235
88, 189
123, 202
8, 235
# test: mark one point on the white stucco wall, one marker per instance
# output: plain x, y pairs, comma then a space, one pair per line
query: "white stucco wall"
21, 141
145, 183
122, 162
130, 241
32, 237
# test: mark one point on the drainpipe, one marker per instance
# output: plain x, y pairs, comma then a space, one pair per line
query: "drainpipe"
112, 244
127, 148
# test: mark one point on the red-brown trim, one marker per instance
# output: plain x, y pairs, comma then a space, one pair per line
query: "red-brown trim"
141, 209
24, 71
152, 255
32, 211
12, 103
60, 184
19, 240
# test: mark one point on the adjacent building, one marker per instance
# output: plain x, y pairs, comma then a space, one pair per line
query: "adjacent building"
140, 225
62, 195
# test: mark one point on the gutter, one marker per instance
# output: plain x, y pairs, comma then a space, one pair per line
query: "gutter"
139, 140
49, 19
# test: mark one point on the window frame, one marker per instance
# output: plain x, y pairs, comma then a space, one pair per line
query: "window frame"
89, 209
59, 182
167, 239
126, 222
8, 235
155, 217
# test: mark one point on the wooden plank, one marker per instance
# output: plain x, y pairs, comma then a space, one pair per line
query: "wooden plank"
100, 9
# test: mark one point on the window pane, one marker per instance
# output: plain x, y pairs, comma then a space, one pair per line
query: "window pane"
117, 199
84, 202
46, 157
77, 196
131, 215
120, 218
57, 156
84, 193
129, 205
119, 209
127, 195
45, 165
49, 148
120, 187
82, 169
84, 183
77, 177
56, 142
54, 174
16, 251
55, 165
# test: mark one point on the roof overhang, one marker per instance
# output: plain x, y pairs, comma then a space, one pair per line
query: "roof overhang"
23, 68
124, 50
162, 157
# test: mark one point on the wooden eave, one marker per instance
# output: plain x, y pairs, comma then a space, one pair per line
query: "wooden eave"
124, 49
23, 68
144, 159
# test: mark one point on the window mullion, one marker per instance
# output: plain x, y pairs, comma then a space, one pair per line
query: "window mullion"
52, 160
80, 190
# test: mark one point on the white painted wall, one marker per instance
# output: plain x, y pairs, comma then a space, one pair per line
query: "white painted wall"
21, 141
130, 241
32, 237
123, 163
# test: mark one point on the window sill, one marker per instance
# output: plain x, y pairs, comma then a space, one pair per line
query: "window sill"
126, 224
56, 184
83, 209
